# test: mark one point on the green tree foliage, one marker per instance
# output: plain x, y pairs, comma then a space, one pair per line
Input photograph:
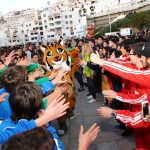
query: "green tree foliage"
140, 20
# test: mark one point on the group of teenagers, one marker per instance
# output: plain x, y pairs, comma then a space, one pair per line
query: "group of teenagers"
30, 101
116, 66
120, 66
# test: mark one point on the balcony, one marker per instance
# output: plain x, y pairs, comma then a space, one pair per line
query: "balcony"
51, 32
58, 31
58, 25
56, 14
57, 19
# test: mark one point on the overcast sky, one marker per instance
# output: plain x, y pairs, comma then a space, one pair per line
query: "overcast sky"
9, 5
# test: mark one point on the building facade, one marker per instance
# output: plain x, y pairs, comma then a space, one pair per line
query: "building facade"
65, 18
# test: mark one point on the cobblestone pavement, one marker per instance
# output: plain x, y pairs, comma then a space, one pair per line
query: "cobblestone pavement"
109, 137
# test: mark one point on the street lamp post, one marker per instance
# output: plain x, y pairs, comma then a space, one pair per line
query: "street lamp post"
109, 15
109, 20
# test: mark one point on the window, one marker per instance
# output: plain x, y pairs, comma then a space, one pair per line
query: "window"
41, 33
41, 28
84, 10
45, 21
40, 23
66, 16
39, 18
45, 27
66, 22
26, 25
64, 34
29, 24
71, 22
52, 30
67, 27
72, 33
32, 38
44, 15
70, 16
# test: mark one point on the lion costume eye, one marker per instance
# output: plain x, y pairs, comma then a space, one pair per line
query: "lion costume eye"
60, 51
49, 54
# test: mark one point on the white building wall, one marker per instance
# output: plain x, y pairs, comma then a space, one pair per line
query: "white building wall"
66, 18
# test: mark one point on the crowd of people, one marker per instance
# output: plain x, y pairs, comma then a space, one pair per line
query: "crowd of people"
116, 67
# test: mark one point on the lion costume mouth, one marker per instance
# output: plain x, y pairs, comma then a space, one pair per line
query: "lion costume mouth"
58, 61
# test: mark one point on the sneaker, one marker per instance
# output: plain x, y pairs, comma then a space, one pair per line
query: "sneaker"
81, 89
72, 117
118, 127
126, 133
92, 100
62, 131
89, 97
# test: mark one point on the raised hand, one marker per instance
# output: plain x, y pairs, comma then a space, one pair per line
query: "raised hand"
23, 62
95, 58
85, 139
2, 97
109, 93
55, 110
53, 75
58, 91
105, 112
58, 79
81, 62
9, 58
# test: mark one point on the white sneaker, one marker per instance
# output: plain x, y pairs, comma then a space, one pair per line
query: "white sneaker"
92, 100
89, 97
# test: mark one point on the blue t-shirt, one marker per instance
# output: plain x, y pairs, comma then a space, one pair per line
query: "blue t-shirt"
9, 124
5, 109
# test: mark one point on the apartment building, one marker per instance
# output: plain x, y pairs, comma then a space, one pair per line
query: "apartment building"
65, 18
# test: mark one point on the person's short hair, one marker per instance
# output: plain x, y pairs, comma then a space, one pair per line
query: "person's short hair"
33, 54
35, 139
81, 40
114, 40
25, 101
117, 54
13, 76
126, 46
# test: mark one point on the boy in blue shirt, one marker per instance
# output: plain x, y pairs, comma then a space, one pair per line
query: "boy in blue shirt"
25, 101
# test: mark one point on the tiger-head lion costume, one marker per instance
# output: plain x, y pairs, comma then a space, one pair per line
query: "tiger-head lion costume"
56, 56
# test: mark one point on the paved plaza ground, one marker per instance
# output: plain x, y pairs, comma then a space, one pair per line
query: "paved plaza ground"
109, 137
